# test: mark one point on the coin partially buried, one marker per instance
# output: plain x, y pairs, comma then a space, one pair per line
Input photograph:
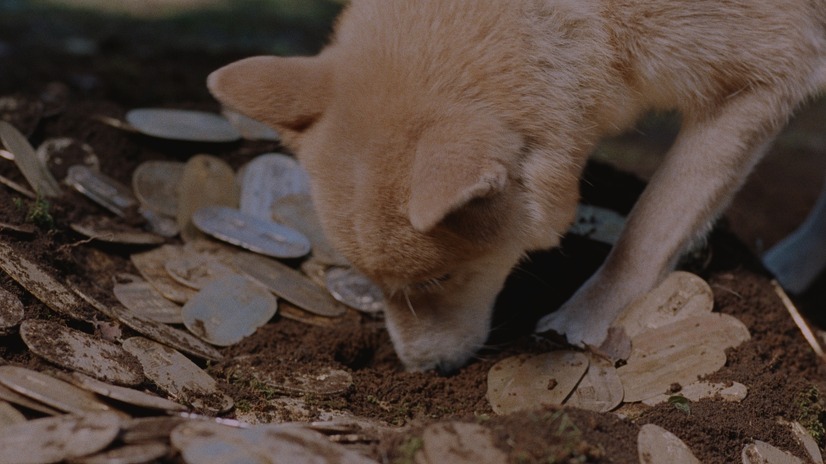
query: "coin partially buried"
228, 309
194, 126
320, 382
206, 181
267, 178
151, 265
11, 311
129, 454
79, 351
50, 391
27, 161
106, 230
56, 439
355, 290
258, 235
125, 395
140, 297
101, 189
178, 376
155, 184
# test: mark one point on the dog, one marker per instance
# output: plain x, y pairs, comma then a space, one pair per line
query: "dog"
445, 138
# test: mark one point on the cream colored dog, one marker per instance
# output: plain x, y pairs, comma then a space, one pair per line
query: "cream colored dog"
445, 138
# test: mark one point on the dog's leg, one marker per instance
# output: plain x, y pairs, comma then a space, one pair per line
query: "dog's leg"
798, 259
709, 161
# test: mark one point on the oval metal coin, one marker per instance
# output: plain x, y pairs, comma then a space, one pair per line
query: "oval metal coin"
250, 129
101, 189
50, 391
461, 443
125, 395
55, 439
40, 284
104, 229
7, 394
179, 377
155, 184
35, 171
151, 265
195, 126
197, 270
207, 181
9, 415
131, 454
298, 212
79, 351
258, 235
320, 382
354, 289
140, 297
229, 309
11, 311
600, 389
657, 445
267, 178
527, 382
289, 284
761, 452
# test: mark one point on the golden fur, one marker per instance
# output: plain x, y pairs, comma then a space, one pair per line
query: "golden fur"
444, 138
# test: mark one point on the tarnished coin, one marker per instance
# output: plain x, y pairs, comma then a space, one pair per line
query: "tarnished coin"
7, 394
58, 154
197, 270
249, 128
159, 224
258, 235
22, 112
155, 184
460, 443
56, 439
289, 284
807, 441
297, 211
229, 309
656, 445
40, 284
104, 229
125, 395
679, 352
140, 297
179, 377
130, 454
206, 181
267, 178
727, 391
150, 429
354, 289
289, 311
679, 296
35, 172
79, 351
527, 381
101, 189
50, 391
319, 382
761, 452
167, 335
151, 265
600, 389
599, 224
194, 126
11, 311
9, 415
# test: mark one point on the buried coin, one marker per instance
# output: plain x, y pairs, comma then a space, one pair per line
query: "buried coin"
600, 389
58, 154
206, 181
197, 270
79, 351
35, 171
354, 289
124, 395
318, 382
155, 185
11, 311
289, 284
527, 381
267, 178
761, 452
104, 229
56, 439
50, 391
656, 445
728, 391
193, 126
258, 235
102, 189
129, 454
40, 284
151, 265
179, 377
229, 309
460, 443
140, 297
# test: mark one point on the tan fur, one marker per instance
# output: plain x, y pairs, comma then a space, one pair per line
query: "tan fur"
444, 138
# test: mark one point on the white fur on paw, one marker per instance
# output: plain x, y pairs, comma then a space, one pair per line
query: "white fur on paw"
575, 325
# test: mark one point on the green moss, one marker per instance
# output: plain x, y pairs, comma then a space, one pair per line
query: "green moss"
408, 449
810, 413
39, 214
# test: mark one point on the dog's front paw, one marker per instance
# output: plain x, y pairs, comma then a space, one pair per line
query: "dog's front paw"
581, 325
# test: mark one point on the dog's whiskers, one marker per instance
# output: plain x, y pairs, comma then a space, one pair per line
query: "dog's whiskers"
409, 303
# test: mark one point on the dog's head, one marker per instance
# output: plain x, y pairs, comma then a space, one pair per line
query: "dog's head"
421, 170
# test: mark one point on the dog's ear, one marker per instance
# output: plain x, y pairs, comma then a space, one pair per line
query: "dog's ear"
455, 168
289, 94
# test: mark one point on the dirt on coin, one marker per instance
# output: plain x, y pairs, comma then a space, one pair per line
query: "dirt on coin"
127, 68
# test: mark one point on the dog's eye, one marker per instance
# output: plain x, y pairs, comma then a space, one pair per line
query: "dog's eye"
432, 284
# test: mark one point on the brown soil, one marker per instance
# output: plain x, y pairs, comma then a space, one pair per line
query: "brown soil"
780, 370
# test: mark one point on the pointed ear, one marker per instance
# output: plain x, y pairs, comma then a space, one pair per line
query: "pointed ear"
444, 181
289, 94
